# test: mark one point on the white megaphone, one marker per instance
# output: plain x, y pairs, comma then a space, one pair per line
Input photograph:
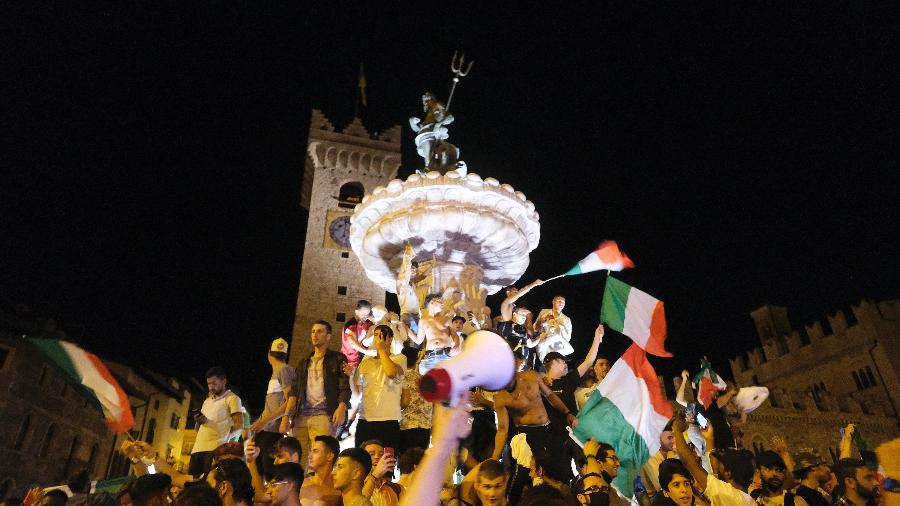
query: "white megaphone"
486, 361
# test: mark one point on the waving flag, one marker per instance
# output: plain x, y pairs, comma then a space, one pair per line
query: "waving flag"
628, 411
606, 257
706, 382
636, 314
88, 370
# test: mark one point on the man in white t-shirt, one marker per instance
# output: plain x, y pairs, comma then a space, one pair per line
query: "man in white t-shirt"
219, 419
381, 381
733, 467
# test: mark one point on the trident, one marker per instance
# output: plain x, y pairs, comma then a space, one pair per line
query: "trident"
457, 69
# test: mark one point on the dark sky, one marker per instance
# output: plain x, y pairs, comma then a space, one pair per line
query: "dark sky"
154, 155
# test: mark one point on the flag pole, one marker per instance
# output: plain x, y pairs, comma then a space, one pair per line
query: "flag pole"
555, 277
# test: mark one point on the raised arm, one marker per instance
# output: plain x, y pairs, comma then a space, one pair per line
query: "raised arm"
502, 424
687, 457
508, 303
450, 425
682, 389
846, 446
585, 365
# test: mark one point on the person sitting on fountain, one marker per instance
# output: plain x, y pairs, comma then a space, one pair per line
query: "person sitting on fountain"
509, 303
516, 334
434, 331
554, 330
407, 279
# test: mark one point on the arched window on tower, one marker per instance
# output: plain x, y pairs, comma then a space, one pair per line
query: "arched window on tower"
23, 432
92, 460
870, 376
351, 194
48, 440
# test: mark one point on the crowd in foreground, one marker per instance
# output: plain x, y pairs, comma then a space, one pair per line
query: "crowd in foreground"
510, 446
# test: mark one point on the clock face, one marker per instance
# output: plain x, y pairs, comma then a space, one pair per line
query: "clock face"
339, 230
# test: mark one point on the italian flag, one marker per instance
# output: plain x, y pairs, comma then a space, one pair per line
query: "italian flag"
628, 411
636, 314
707, 382
606, 257
88, 370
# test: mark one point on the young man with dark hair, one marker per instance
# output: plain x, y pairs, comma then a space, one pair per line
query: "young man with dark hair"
220, 419
772, 471
857, 483
267, 429
674, 483
407, 463
284, 487
812, 473
381, 382
378, 486
151, 490
288, 449
318, 489
350, 470
198, 494
320, 395
354, 332
232, 480
563, 382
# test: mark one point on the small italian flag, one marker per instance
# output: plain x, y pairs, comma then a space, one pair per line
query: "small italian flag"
707, 382
88, 370
606, 257
636, 314
628, 411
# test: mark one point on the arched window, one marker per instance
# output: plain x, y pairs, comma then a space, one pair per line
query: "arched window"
151, 430
48, 440
863, 379
870, 376
72, 449
95, 448
23, 433
351, 194
856, 380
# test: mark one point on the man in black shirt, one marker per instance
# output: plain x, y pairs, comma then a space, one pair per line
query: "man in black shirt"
812, 472
563, 383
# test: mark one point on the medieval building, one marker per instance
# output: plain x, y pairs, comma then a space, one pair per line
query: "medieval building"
820, 380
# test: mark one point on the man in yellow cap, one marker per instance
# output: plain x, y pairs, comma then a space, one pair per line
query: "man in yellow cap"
266, 428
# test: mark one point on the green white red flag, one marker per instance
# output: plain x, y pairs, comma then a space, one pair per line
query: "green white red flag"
88, 370
606, 257
635, 314
707, 382
628, 411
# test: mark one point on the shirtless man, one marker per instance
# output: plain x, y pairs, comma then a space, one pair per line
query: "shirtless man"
407, 279
524, 402
434, 331
318, 489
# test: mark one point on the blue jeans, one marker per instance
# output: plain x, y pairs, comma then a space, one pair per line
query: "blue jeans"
433, 358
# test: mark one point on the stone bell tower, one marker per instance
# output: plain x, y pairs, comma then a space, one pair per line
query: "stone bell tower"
341, 167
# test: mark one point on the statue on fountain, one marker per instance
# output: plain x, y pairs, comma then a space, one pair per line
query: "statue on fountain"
432, 135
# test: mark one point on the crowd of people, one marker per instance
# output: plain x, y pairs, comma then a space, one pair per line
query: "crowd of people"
507, 447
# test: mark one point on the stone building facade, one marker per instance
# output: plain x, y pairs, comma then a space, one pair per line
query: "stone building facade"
341, 167
48, 430
821, 380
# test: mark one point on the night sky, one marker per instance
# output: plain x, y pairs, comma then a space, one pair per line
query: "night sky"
154, 155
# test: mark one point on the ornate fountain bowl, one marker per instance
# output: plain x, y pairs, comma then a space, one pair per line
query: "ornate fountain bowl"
463, 225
